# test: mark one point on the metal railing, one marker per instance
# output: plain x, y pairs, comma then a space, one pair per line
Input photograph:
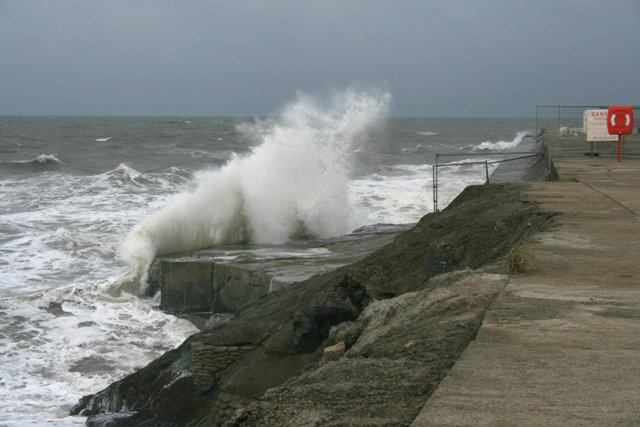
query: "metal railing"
566, 121
519, 156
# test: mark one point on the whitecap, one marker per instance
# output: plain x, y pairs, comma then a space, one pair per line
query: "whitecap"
501, 145
41, 159
418, 148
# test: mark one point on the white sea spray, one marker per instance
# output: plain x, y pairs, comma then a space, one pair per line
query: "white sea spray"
294, 182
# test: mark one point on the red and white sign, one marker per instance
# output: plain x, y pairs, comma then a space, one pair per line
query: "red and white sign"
620, 120
595, 126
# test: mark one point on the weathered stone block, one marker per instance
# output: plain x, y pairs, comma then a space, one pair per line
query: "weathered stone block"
186, 285
237, 284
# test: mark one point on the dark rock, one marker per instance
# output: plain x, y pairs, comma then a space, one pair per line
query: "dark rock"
311, 327
56, 309
463, 235
86, 324
405, 347
148, 396
91, 364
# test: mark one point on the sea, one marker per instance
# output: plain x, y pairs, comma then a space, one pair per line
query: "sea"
86, 203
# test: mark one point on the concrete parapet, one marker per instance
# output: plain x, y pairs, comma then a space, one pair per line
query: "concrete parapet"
186, 284
192, 285
222, 280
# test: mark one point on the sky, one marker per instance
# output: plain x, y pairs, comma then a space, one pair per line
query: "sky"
437, 58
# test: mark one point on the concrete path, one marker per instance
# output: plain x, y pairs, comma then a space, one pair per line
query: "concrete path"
561, 345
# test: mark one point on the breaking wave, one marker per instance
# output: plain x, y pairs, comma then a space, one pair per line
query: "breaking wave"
43, 162
502, 145
294, 183
41, 159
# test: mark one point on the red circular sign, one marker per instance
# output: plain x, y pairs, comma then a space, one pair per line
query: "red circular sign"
620, 120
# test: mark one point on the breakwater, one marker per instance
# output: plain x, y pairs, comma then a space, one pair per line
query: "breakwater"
224, 279
404, 313
400, 305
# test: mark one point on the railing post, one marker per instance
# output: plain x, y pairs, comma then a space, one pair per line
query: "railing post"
486, 170
547, 158
435, 184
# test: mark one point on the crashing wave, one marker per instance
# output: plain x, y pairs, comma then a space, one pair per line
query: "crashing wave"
294, 183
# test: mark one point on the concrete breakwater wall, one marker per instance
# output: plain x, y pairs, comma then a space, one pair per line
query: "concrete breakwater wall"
202, 285
222, 280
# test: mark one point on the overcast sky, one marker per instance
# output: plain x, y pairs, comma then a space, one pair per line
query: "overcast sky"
236, 57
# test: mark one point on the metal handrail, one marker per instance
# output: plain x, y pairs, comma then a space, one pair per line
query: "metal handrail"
486, 163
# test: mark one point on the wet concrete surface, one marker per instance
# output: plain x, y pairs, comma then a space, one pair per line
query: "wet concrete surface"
561, 345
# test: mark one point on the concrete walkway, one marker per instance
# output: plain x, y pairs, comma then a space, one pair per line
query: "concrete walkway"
561, 346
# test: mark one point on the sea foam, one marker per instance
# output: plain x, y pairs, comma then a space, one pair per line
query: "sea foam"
293, 183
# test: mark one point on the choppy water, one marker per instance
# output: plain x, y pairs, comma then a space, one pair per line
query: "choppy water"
86, 201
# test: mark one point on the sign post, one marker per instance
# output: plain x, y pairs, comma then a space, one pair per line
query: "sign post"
620, 122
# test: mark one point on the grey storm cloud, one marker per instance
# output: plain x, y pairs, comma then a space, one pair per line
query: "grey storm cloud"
196, 57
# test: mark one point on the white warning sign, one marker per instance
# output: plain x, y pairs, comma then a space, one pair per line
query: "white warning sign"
595, 126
